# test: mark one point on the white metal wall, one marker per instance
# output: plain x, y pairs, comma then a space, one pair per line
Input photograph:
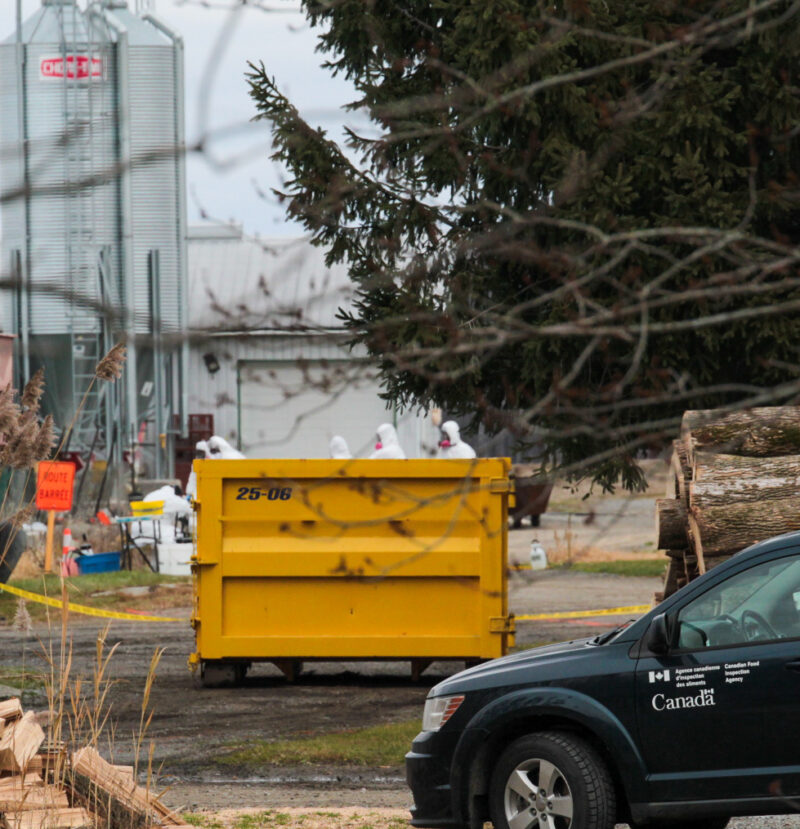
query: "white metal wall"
248, 358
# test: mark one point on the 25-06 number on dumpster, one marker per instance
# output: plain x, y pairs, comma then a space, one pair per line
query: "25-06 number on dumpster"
253, 493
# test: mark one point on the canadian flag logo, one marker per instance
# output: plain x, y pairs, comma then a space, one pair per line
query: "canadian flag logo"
72, 67
659, 676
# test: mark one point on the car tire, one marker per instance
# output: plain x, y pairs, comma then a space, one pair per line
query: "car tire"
558, 779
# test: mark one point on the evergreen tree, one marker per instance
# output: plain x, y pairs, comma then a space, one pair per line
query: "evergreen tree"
579, 218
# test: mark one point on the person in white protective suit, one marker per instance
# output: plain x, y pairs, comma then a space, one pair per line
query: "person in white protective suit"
220, 449
388, 446
339, 449
200, 451
451, 446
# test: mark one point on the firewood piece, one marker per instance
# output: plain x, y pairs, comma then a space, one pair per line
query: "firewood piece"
760, 432
680, 472
726, 529
69, 818
670, 524
682, 457
26, 798
20, 742
10, 709
19, 780
119, 785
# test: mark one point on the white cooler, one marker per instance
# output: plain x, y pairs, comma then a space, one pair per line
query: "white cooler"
173, 559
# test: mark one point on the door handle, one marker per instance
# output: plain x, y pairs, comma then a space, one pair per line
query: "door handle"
794, 665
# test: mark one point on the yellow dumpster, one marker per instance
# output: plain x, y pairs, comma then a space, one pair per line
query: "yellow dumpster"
301, 560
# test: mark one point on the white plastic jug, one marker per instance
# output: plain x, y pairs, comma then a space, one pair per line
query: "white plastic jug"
538, 556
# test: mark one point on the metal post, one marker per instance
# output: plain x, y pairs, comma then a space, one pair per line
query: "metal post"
131, 416
180, 150
25, 258
154, 278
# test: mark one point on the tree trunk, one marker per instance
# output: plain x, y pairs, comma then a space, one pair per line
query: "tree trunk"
710, 466
720, 480
761, 432
728, 528
670, 524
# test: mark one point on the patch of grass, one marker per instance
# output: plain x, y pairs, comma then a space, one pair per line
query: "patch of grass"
258, 820
94, 582
624, 567
22, 678
204, 821
81, 590
379, 745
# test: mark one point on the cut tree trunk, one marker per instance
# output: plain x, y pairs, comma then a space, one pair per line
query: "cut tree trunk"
730, 527
760, 432
721, 480
670, 524
712, 466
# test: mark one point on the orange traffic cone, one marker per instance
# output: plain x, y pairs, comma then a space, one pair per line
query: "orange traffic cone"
68, 566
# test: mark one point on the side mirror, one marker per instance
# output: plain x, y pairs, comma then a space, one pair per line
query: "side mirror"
656, 639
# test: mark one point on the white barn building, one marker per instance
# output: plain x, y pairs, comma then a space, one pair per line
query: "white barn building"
270, 359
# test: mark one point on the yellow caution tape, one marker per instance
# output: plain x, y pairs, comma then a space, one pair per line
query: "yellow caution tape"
135, 617
86, 611
579, 614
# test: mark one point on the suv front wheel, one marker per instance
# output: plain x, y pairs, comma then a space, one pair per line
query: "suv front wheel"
551, 780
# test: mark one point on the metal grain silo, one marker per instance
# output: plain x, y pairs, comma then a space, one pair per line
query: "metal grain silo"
153, 215
60, 234
93, 214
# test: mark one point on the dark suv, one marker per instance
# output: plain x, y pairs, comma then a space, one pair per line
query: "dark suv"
686, 717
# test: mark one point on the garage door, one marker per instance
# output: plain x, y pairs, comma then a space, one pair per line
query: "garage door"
291, 410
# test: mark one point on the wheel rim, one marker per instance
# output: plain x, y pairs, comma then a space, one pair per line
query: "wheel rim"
537, 795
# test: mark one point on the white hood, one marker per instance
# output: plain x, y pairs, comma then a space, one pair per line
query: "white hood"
389, 444
457, 448
339, 448
220, 449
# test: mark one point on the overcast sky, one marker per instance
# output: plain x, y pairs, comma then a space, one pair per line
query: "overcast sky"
228, 189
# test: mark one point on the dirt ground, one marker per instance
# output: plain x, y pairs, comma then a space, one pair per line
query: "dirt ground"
192, 725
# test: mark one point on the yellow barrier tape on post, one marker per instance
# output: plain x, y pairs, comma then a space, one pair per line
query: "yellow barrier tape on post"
86, 611
580, 614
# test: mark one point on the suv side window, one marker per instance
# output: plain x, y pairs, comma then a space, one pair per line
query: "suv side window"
757, 605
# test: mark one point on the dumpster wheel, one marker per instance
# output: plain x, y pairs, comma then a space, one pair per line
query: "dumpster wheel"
214, 673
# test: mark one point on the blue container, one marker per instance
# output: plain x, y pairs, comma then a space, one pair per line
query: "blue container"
99, 563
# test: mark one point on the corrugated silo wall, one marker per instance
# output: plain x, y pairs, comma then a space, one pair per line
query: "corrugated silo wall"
11, 180
72, 141
154, 181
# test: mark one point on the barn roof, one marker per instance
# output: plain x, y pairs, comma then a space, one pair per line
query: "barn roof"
239, 283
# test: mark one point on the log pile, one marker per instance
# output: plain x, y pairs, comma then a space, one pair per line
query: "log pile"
734, 481
44, 787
